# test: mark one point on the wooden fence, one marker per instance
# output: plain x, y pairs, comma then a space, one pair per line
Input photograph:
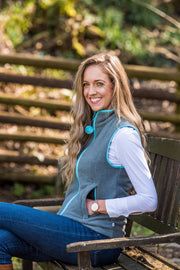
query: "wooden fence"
139, 72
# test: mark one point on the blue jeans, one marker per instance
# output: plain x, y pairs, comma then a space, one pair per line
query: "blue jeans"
36, 235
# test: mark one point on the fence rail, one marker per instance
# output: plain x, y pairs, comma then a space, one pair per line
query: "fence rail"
133, 71
27, 102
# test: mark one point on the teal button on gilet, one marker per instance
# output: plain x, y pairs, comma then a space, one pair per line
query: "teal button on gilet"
95, 174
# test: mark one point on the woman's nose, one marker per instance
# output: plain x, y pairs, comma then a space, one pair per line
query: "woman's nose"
92, 90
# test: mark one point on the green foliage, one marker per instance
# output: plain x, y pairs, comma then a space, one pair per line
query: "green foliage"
17, 263
44, 191
138, 230
110, 21
18, 190
77, 28
18, 20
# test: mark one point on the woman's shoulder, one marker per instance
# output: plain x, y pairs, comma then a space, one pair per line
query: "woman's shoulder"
126, 135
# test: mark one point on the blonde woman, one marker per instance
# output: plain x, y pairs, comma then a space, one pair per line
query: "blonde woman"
105, 158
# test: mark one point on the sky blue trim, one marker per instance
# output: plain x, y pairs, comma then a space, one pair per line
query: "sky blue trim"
95, 194
129, 126
76, 170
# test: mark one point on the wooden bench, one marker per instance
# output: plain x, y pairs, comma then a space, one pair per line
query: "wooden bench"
164, 222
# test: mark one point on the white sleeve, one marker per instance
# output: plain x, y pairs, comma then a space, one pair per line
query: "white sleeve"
126, 150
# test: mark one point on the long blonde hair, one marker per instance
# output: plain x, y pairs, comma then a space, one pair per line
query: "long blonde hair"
122, 103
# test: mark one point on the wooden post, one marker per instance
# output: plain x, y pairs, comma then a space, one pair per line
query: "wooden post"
84, 260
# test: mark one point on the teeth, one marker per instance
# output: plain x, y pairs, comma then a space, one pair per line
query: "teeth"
95, 99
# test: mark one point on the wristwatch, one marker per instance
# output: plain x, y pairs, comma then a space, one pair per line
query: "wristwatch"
94, 207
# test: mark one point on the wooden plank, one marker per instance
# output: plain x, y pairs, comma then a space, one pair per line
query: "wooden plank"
165, 147
126, 263
174, 196
158, 94
123, 242
73, 267
51, 265
153, 224
165, 189
43, 103
172, 118
42, 62
168, 189
114, 266
69, 267
24, 137
40, 202
160, 258
84, 260
144, 72
26, 159
156, 169
153, 158
44, 122
50, 209
148, 260
28, 178
37, 81
161, 186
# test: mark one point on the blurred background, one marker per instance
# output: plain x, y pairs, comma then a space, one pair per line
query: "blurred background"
140, 32
41, 45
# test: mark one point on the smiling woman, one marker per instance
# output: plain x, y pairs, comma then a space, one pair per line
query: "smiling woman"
105, 158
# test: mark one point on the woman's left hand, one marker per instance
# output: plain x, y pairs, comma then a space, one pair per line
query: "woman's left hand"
101, 206
88, 206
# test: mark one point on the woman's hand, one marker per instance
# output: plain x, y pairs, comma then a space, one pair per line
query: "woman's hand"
88, 205
101, 206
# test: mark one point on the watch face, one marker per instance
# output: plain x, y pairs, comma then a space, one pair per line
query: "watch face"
94, 207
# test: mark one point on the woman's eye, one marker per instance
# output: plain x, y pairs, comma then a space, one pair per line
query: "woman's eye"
85, 84
99, 83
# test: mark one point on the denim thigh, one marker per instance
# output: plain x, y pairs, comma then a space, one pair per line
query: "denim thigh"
41, 236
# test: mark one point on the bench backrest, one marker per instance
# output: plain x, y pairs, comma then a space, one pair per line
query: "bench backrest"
165, 168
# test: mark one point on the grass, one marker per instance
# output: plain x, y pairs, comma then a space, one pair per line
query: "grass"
138, 230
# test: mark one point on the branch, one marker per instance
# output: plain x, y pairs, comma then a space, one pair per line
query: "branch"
159, 12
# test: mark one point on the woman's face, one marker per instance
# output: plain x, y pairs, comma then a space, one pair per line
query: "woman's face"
97, 88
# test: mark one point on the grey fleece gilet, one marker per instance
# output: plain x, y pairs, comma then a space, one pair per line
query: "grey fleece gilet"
94, 173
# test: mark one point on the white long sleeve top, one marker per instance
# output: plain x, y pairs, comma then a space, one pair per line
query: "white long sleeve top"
126, 150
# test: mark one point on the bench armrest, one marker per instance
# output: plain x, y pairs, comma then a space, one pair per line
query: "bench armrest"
122, 242
40, 202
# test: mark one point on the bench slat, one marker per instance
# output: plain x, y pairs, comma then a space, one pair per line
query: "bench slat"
128, 264
112, 267
145, 258
161, 186
171, 215
166, 189
50, 266
165, 147
158, 258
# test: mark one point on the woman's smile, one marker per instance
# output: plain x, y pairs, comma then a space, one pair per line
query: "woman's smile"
95, 100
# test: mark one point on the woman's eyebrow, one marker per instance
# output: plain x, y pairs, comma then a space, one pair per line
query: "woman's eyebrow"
97, 80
